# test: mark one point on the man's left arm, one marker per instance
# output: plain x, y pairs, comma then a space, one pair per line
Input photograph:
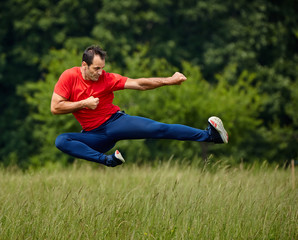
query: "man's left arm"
151, 83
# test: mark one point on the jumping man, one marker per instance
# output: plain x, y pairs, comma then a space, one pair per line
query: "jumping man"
87, 93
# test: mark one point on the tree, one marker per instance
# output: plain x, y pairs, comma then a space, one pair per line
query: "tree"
258, 38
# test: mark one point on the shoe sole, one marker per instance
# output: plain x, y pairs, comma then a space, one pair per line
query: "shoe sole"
218, 125
119, 156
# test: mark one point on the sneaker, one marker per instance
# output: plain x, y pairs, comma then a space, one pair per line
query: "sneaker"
217, 130
115, 159
119, 156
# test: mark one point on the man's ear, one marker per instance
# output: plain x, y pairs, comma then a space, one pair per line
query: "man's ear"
84, 64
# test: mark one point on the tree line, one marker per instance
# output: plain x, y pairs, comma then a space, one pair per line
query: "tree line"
240, 59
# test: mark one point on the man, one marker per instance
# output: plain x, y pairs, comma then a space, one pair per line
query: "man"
87, 93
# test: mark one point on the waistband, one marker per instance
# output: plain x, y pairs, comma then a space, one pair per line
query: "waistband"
113, 117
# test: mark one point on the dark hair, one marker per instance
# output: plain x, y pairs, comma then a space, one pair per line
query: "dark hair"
89, 53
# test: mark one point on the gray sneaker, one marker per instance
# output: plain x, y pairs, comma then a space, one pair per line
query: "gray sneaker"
217, 130
115, 159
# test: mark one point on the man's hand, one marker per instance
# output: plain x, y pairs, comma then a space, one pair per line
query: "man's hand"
177, 79
91, 102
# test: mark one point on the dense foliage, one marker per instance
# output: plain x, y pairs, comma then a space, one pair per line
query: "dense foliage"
240, 58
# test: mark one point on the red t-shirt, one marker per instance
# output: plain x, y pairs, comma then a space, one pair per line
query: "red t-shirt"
73, 87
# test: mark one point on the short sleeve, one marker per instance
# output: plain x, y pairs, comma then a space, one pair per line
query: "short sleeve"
118, 81
63, 86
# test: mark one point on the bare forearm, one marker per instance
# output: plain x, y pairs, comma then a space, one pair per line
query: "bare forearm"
61, 105
151, 83
65, 107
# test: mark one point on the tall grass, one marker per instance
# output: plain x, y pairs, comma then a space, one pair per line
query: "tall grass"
170, 201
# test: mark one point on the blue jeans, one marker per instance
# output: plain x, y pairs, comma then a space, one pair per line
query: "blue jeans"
91, 145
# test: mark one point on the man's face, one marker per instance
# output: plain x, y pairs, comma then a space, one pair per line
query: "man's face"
93, 71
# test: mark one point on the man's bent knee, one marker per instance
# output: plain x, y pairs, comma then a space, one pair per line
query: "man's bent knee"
61, 141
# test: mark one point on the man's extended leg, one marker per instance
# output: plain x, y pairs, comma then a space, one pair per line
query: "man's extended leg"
133, 127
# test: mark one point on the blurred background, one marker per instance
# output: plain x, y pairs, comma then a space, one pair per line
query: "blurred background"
240, 58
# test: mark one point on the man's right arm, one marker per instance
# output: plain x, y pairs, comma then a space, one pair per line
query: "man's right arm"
60, 105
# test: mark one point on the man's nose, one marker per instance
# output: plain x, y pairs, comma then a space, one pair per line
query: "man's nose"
99, 71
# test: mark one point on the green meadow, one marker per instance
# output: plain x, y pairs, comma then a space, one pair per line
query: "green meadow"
165, 201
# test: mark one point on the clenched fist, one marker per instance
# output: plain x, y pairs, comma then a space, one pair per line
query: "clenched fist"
177, 78
91, 102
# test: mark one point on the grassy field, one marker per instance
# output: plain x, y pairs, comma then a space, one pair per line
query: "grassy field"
169, 201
